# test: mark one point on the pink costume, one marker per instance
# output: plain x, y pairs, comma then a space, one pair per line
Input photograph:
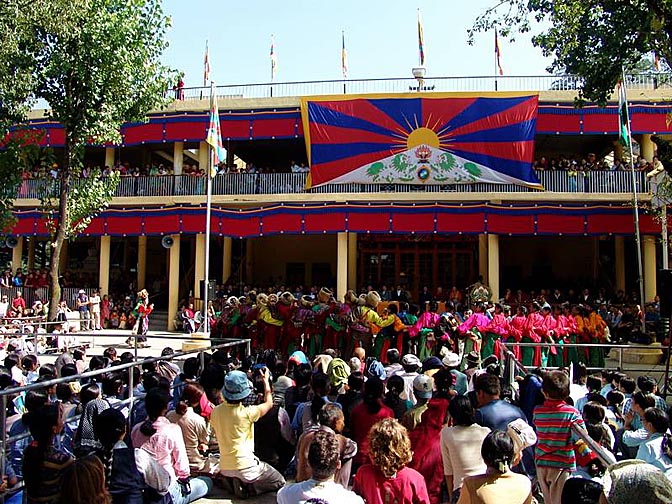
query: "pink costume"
479, 321
533, 330
499, 326
516, 331
427, 320
548, 331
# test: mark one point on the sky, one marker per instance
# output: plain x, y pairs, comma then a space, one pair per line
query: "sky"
380, 37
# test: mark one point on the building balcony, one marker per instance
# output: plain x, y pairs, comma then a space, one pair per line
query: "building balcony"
604, 183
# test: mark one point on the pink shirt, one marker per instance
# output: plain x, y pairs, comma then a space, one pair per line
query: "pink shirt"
477, 320
426, 320
407, 487
498, 325
166, 446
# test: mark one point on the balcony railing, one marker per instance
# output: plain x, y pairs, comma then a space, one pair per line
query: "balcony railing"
403, 85
235, 184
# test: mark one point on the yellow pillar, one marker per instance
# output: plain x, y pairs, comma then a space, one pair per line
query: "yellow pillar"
173, 281
227, 248
649, 253
178, 157
342, 265
203, 154
104, 265
619, 260
199, 266
483, 257
31, 252
249, 261
646, 147
109, 156
493, 265
142, 261
352, 261
17, 254
618, 150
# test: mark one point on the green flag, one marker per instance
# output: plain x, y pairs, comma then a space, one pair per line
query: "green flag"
623, 119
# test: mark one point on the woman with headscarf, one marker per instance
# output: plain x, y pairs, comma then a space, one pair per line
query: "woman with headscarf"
86, 440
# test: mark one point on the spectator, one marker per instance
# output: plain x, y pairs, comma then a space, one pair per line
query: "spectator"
498, 485
82, 302
657, 449
84, 482
460, 445
233, 424
387, 479
323, 461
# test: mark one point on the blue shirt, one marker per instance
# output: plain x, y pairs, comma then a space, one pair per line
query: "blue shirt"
651, 451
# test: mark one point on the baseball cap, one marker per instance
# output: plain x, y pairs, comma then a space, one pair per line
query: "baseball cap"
410, 360
451, 359
423, 386
236, 386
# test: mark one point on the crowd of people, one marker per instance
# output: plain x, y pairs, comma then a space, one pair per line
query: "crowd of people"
591, 163
347, 427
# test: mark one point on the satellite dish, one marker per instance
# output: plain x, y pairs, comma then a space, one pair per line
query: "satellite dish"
167, 241
12, 241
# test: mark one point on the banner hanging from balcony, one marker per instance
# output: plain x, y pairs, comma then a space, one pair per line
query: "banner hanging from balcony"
456, 138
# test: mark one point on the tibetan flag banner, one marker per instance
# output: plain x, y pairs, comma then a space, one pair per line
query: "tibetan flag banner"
623, 119
214, 137
438, 138
206, 66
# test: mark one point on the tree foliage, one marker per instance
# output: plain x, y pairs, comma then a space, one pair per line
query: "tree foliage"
96, 63
593, 39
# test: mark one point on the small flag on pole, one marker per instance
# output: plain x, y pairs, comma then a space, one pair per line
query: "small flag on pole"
623, 119
206, 65
498, 55
214, 138
274, 59
421, 41
344, 57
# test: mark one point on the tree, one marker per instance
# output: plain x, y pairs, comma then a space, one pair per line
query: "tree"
97, 64
593, 39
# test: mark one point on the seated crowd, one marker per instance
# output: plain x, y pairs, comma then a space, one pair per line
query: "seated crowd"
345, 427
592, 163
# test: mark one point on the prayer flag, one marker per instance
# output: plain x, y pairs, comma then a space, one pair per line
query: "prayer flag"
344, 57
214, 138
623, 119
206, 66
498, 55
421, 40
274, 59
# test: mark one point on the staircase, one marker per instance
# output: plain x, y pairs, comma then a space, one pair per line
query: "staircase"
158, 320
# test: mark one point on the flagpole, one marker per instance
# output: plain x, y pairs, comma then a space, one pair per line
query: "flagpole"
496, 60
638, 238
208, 211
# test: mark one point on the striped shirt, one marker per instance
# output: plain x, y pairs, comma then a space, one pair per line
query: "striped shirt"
555, 441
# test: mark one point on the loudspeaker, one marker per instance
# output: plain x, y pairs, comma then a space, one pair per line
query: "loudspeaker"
12, 241
167, 241
664, 288
212, 288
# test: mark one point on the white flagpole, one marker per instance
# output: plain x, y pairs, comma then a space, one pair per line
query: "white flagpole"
638, 238
208, 211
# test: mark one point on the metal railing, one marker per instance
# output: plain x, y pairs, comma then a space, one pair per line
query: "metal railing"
404, 85
14, 391
596, 182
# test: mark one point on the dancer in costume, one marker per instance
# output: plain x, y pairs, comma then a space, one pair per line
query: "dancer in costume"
497, 329
517, 330
141, 312
532, 334
268, 325
473, 329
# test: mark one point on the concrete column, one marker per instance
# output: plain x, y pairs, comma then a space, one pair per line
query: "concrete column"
227, 255
109, 156
199, 265
178, 157
342, 265
104, 265
142, 262
17, 254
203, 154
493, 265
352, 261
646, 147
173, 280
483, 257
31, 252
649, 259
249, 261
619, 260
